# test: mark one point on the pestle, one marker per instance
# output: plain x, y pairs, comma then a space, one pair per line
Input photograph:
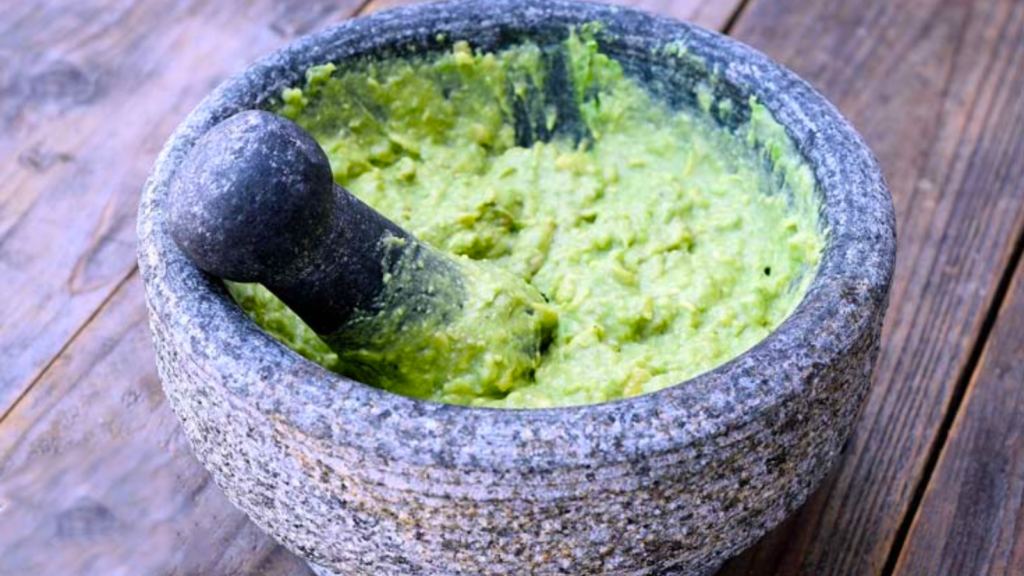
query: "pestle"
255, 201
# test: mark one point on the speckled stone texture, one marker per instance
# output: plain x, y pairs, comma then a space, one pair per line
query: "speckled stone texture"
365, 483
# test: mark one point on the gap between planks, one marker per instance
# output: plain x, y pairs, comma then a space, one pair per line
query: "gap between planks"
929, 86
737, 14
74, 336
957, 403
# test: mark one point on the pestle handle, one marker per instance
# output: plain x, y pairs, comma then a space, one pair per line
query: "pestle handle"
255, 201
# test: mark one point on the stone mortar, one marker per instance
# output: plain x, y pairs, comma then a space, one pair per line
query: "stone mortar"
361, 482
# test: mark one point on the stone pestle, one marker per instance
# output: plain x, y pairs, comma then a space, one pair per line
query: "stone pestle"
255, 201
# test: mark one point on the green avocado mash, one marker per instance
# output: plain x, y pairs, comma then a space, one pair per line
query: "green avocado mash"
653, 249
444, 323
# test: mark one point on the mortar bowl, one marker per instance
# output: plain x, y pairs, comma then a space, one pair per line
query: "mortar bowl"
361, 482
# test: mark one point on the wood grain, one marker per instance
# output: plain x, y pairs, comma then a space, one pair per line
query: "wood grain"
714, 14
90, 457
935, 88
971, 520
90, 91
96, 477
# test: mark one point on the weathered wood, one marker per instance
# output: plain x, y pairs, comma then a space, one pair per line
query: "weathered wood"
934, 86
96, 476
90, 91
714, 14
971, 520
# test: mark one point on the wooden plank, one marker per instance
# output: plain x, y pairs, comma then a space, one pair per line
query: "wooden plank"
971, 520
934, 86
96, 475
90, 92
714, 14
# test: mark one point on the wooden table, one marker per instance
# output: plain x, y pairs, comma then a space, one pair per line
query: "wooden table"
96, 478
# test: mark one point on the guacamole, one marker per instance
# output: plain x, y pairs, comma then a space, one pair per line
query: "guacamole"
445, 322
649, 244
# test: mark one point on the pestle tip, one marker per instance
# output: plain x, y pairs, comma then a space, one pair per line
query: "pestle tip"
252, 199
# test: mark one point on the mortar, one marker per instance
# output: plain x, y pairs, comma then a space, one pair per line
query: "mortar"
362, 482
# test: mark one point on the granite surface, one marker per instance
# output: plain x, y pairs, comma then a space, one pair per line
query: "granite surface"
365, 483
